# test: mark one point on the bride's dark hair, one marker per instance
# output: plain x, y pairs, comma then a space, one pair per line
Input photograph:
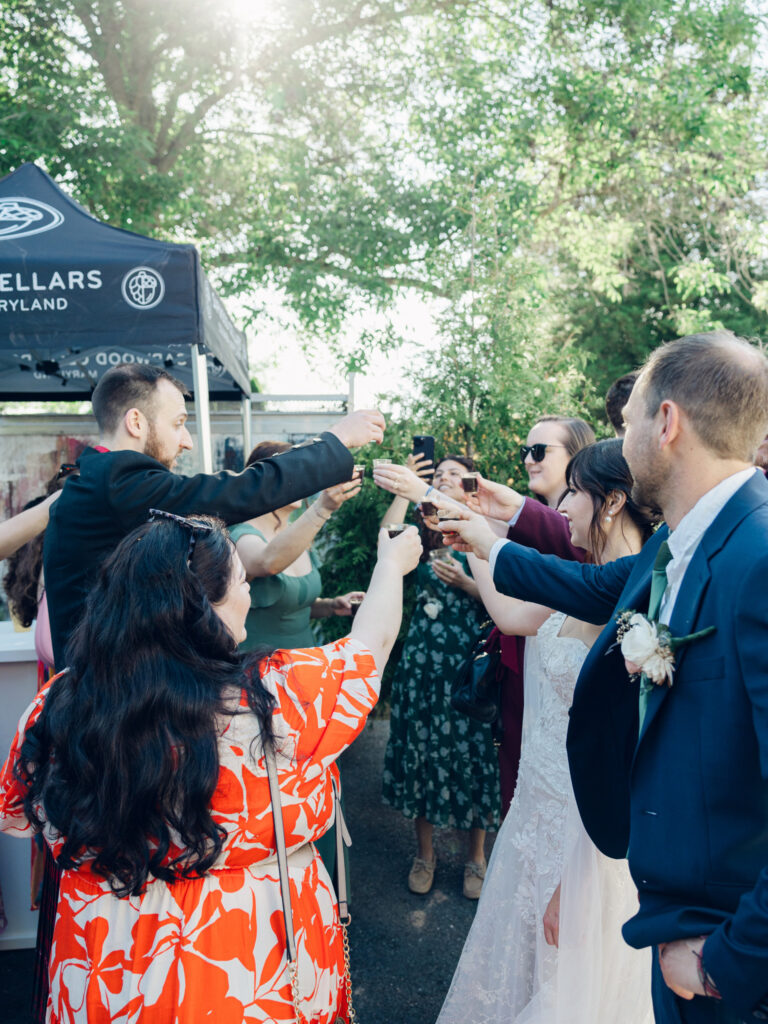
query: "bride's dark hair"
600, 470
123, 761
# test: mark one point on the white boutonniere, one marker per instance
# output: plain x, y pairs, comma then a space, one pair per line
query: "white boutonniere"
650, 646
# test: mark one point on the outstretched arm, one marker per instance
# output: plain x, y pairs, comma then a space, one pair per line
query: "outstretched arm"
234, 497
22, 528
587, 592
513, 617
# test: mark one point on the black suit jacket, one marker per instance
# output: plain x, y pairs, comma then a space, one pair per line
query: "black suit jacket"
688, 798
115, 490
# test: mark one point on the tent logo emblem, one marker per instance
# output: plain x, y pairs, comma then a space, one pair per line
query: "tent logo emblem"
143, 288
20, 217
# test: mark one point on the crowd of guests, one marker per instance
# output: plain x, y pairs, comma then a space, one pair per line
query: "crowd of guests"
181, 768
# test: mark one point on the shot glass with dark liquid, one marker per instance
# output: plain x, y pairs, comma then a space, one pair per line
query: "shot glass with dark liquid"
470, 482
393, 529
428, 508
358, 472
354, 604
447, 513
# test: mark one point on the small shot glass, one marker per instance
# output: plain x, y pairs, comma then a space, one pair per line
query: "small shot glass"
381, 462
439, 555
394, 529
428, 508
354, 604
358, 471
470, 482
447, 513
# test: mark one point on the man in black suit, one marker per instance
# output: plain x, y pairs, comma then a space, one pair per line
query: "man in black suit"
142, 417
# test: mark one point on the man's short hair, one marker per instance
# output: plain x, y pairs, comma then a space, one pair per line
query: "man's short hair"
617, 396
720, 382
127, 386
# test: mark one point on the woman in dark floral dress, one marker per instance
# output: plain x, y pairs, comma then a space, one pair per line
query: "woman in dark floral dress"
440, 767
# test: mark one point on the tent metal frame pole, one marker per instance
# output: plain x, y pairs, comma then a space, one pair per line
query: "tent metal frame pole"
202, 408
245, 410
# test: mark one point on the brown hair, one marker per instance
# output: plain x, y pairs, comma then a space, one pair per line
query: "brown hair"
128, 386
617, 396
720, 382
578, 433
599, 470
266, 450
22, 574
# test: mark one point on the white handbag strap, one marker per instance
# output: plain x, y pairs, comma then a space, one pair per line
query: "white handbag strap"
282, 855
342, 839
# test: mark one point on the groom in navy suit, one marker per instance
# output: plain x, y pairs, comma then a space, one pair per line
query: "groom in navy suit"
678, 775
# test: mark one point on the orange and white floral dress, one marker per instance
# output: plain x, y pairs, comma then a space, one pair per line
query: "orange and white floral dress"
213, 948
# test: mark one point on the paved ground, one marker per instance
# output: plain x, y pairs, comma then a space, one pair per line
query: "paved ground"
403, 947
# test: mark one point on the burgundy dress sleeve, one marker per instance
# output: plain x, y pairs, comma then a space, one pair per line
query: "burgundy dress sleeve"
545, 529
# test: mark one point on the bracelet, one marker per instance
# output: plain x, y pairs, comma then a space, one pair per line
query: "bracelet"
710, 988
316, 510
428, 491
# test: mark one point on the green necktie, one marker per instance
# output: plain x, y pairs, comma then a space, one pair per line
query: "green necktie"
658, 586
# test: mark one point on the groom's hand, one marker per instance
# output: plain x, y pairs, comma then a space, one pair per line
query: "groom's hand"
679, 962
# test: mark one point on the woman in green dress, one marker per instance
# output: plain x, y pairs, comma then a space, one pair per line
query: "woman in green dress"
282, 567
440, 767
285, 580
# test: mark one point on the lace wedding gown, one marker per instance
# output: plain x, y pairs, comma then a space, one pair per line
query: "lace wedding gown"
507, 973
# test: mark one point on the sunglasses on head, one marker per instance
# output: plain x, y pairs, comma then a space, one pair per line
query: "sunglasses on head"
536, 451
192, 525
65, 469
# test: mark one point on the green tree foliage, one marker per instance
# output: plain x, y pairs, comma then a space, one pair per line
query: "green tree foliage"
604, 156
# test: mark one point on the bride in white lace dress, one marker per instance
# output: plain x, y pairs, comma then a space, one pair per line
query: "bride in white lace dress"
545, 946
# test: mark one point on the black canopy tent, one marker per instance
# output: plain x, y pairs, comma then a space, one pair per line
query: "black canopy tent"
78, 296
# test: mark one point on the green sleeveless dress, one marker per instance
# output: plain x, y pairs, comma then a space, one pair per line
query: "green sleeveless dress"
280, 604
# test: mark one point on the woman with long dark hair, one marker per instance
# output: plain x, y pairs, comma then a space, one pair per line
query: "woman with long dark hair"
144, 765
545, 946
439, 765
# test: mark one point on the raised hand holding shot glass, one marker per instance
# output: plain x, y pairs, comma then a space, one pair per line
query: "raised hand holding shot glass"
468, 531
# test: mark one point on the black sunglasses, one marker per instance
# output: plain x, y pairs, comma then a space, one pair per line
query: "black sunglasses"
536, 451
192, 525
65, 469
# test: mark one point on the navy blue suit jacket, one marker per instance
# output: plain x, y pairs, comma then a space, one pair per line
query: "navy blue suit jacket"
688, 798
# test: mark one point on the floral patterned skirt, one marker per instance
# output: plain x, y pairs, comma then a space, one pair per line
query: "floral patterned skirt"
210, 948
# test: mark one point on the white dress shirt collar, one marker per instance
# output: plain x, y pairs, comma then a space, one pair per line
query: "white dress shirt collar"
684, 540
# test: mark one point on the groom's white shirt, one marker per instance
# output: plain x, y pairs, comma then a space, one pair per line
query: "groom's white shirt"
685, 539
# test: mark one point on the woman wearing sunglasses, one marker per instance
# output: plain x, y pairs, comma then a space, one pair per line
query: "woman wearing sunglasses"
144, 766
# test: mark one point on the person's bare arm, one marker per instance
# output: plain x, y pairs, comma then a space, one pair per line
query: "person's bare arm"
395, 512
420, 468
268, 558
377, 622
20, 529
513, 617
